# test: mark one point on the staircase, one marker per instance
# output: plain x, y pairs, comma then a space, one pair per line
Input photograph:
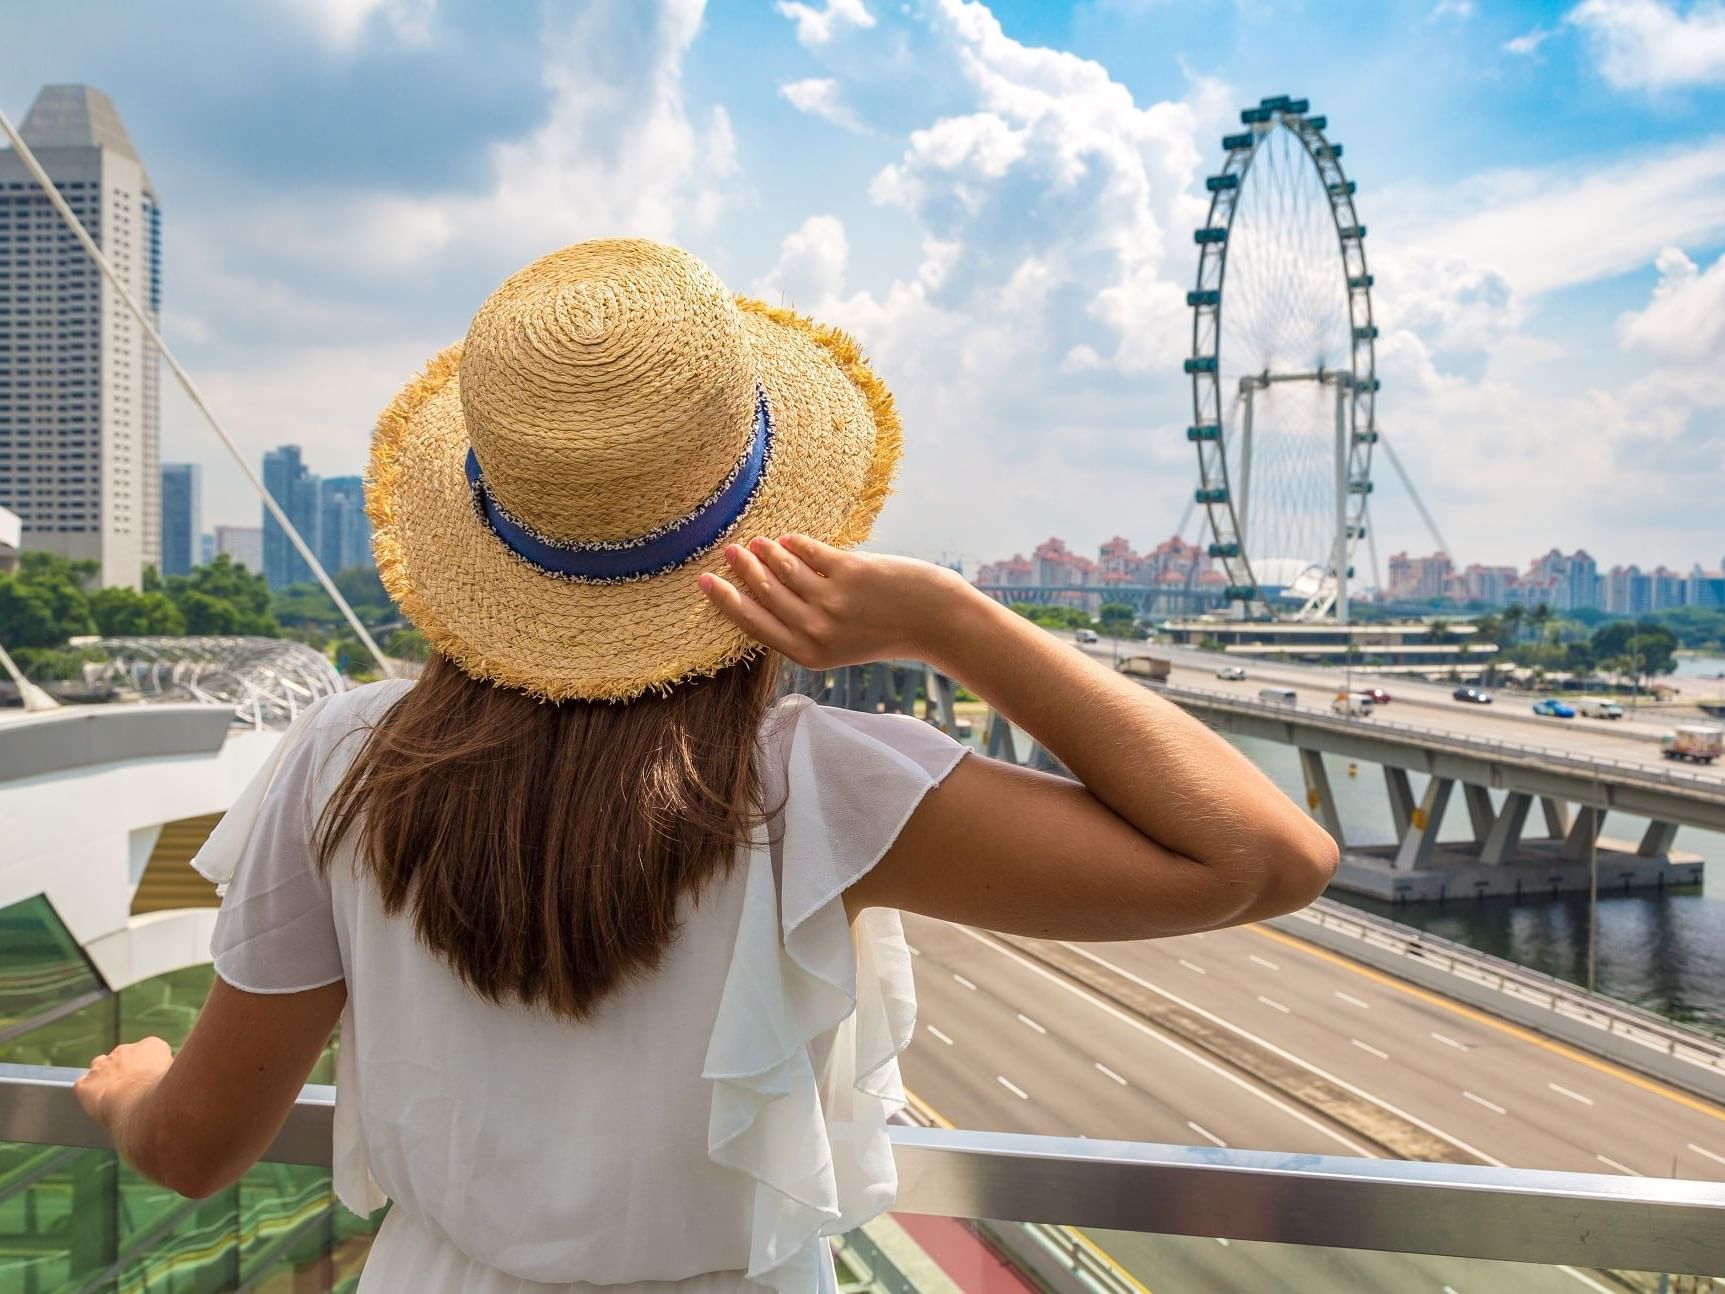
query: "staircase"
168, 880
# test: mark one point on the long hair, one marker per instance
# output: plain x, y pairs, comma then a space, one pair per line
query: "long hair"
541, 850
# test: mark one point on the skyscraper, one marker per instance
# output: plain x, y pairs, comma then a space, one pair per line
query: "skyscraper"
296, 490
345, 532
181, 523
244, 544
79, 388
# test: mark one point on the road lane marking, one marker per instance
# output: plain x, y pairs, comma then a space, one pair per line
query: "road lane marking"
1275, 1005
1369, 1049
1205, 1133
1698, 1150
1285, 1054
1353, 1001
1111, 1074
1450, 1042
938, 1034
1574, 1096
1194, 967
961, 979
1012, 1087
1493, 1106
1609, 1162
1223, 1241
1132, 1022
1027, 1020
1492, 1022
1265, 962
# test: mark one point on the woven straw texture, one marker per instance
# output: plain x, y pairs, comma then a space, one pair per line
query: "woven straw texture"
607, 389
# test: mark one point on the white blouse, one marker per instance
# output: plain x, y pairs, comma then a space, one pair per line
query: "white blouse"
701, 1133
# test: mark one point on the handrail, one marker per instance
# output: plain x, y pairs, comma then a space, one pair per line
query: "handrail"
1453, 1210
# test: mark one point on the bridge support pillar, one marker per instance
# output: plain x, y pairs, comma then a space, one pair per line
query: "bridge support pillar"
1420, 837
1657, 840
1505, 833
1556, 817
1401, 798
1584, 833
1479, 810
1318, 795
940, 700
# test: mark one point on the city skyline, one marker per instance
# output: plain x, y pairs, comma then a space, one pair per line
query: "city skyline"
1013, 250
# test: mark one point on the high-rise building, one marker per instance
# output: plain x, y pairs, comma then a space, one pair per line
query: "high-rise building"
206, 548
244, 544
79, 388
344, 538
296, 491
181, 522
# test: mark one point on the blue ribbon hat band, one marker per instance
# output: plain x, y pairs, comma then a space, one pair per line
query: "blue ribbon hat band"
661, 550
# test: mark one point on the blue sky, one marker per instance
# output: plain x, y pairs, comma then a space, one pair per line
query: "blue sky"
997, 198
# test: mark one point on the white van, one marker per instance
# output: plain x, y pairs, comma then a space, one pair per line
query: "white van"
1087, 636
1277, 696
1599, 709
1355, 705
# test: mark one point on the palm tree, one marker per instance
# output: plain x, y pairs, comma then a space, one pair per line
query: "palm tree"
1437, 630
1511, 619
1540, 618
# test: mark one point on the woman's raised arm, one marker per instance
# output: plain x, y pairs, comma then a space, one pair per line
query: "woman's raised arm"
1168, 829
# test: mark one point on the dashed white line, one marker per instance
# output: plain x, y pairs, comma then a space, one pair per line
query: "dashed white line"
1609, 1162
1450, 1042
1205, 1133
1450, 1289
1353, 1001
1264, 962
1012, 1087
1700, 1151
1024, 1019
938, 1034
1111, 1074
1493, 1106
1223, 1241
1275, 1005
1369, 1049
961, 979
1194, 967
1574, 1096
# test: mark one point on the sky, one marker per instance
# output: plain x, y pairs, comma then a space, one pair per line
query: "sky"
997, 199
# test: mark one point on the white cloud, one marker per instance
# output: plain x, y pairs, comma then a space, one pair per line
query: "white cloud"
1685, 320
819, 96
1529, 41
816, 26
811, 264
1459, 9
341, 23
1650, 45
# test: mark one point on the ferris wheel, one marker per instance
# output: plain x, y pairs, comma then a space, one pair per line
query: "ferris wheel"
1283, 367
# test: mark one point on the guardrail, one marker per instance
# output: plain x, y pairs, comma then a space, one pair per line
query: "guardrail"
1602, 769
1634, 1037
1454, 1210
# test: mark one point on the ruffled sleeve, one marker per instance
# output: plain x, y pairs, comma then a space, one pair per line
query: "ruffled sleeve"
814, 1138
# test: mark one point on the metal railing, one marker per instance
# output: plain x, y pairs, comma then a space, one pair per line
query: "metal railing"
1599, 768
1454, 1210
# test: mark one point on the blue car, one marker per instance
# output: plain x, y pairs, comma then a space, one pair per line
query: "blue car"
1555, 709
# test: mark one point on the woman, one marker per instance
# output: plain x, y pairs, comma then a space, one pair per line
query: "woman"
613, 935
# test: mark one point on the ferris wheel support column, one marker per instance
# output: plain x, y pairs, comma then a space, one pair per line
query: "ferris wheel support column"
1339, 557
1247, 386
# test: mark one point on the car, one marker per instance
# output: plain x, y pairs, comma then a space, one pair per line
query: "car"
1233, 673
1596, 709
1377, 694
1472, 695
1087, 636
1553, 708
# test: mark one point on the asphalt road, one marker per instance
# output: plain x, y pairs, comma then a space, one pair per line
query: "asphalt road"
1005, 1042
1428, 705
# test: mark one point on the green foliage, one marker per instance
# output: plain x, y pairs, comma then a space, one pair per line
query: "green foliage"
1117, 619
43, 602
1054, 617
1639, 649
1696, 628
124, 612
408, 644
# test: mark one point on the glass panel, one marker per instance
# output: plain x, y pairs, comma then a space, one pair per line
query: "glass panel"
166, 1006
41, 965
56, 1218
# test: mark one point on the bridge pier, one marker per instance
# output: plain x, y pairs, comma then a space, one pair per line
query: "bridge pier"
1417, 842
1657, 840
1480, 812
1318, 795
1583, 833
1504, 838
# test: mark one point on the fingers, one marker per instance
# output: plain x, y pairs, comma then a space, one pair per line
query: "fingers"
751, 617
790, 572
820, 558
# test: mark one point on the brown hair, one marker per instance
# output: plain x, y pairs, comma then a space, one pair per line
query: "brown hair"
542, 848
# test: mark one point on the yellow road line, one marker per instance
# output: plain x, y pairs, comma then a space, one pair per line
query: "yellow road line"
1491, 1021
1101, 1255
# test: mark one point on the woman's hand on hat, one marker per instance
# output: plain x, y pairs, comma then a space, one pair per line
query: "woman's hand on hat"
825, 607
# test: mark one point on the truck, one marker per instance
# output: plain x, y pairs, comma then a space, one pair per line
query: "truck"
1152, 669
1696, 743
1354, 705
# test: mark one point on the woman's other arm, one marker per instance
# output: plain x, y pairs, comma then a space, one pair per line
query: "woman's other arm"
1168, 829
197, 1121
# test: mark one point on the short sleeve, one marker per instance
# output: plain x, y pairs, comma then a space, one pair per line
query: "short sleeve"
275, 932
803, 984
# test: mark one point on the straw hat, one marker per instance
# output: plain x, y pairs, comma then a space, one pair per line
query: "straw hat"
546, 494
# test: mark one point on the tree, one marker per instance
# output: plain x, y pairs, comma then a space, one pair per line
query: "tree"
1117, 618
224, 594
120, 611
43, 603
1540, 618
1437, 630
1639, 649
1512, 617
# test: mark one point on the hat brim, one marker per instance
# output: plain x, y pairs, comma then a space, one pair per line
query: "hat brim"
836, 444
